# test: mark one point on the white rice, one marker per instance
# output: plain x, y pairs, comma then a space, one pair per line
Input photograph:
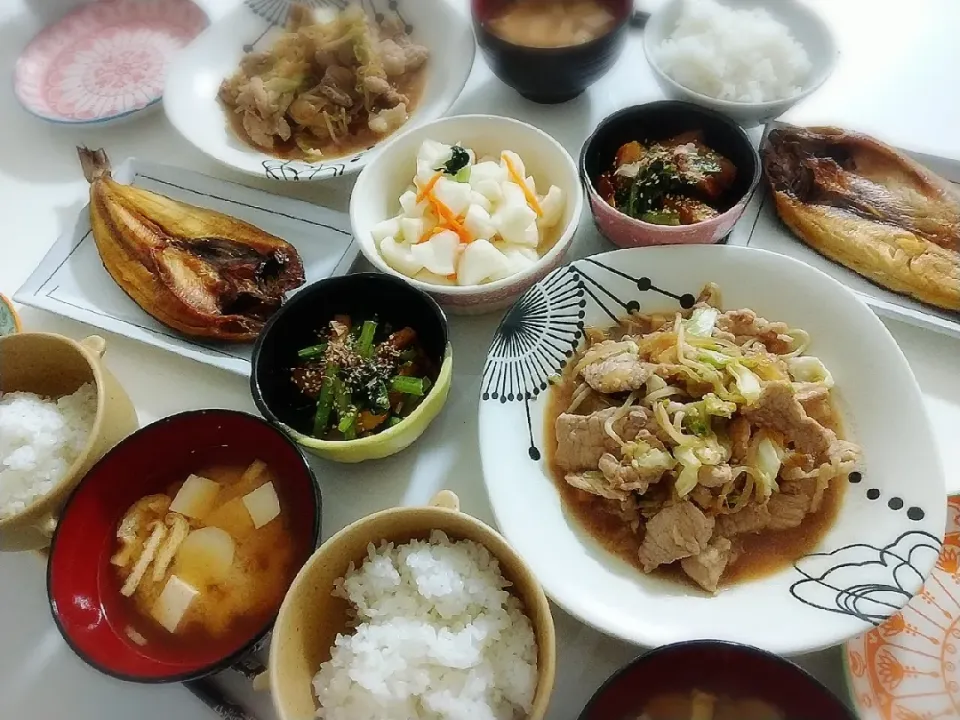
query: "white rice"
438, 638
738, 55
39, 440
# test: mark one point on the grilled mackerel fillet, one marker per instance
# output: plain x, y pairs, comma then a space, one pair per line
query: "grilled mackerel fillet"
870, 208
200, 272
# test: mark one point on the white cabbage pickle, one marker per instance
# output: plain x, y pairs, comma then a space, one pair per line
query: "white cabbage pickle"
464, 222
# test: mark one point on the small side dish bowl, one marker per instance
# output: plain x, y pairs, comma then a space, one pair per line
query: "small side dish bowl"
659, 121
53, 366
376, 196
193, 80
311, 617
804, 23
554, 74
82, 586
362, 295
738, 672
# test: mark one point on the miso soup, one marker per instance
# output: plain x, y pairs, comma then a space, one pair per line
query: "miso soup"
552, 23
205, 565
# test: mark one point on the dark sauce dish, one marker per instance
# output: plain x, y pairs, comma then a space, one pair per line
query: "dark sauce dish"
362, 296
660, 121
553, 74
82, 588
721, 668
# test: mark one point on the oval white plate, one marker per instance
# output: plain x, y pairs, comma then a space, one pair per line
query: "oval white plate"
890, 526
190, 97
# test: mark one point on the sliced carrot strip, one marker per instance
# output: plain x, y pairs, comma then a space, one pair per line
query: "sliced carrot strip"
427, 189
447, 217
522, 182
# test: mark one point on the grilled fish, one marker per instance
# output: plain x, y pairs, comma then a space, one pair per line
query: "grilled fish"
198, 271
868, 207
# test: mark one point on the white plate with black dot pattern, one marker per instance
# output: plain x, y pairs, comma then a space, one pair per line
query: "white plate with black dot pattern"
890, 524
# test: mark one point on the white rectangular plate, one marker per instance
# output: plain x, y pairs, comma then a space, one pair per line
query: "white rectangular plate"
760, 227
71, 280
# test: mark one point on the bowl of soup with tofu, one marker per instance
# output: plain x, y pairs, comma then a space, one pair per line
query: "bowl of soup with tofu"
713, 680
173, 555
550, 51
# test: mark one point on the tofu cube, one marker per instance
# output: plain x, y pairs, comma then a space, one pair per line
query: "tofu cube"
173, 603
262, 504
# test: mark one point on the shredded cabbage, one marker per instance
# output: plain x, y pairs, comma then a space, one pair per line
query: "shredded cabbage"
748, 384
702, 321
643, 456
767, 459
689, 476
809, 369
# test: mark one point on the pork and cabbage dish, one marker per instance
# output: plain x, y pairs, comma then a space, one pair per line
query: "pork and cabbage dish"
702, 441
326, 88
680, 181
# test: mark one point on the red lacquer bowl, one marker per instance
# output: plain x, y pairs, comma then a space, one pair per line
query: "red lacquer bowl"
81, 584
713, 666
660, 121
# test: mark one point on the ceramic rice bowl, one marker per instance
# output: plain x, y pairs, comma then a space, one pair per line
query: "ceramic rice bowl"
311, 617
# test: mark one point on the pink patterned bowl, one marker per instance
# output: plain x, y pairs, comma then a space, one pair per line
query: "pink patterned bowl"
104, 60
659, 121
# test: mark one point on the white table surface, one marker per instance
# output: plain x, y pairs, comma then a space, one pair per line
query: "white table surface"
896, 79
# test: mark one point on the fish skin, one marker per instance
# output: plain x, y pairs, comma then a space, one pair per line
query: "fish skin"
870, 208
195, 270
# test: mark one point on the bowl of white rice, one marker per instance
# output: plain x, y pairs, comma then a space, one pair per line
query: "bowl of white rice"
750, 59
60, 411
416, 613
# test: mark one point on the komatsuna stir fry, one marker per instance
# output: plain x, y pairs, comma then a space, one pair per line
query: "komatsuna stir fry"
364, 377
697, 428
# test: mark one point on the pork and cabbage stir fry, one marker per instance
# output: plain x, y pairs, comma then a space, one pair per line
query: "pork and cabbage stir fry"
699, 427
325, 89
363, 376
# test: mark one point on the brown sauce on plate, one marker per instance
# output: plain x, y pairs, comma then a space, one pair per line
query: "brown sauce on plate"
764, 553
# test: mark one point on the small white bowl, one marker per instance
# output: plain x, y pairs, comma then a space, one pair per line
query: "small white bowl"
376, 197
194, 77
806, 26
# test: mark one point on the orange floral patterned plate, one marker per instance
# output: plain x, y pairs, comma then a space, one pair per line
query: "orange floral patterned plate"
908, 667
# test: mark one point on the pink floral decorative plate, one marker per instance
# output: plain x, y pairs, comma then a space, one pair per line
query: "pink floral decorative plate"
908, 668
104, 60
